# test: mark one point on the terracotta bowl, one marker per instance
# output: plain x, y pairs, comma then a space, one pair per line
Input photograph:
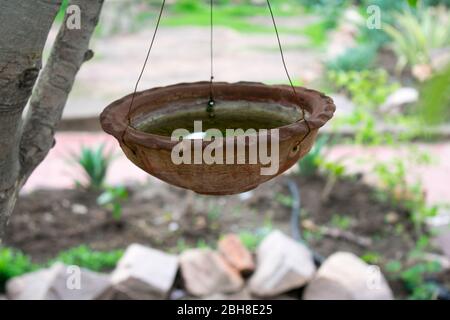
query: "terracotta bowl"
152, 152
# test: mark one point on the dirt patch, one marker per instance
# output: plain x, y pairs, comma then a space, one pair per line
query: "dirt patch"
48, 221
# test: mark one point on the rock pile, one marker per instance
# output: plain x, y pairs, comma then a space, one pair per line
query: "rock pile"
282, 266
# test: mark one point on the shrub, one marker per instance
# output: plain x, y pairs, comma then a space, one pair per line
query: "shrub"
85, 257
112, 199
13, 263
358, 58
415, 36
94, 163
367, 88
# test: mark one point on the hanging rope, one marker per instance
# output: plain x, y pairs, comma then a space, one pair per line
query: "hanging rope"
145, 64
211, 102
286, 69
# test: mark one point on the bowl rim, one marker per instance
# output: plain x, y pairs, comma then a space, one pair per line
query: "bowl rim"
114, 121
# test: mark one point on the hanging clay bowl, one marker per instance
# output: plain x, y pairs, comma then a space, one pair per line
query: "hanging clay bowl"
144, 133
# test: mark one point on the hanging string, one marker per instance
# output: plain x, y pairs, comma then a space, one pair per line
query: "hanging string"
211, 102
286, 69
145, 64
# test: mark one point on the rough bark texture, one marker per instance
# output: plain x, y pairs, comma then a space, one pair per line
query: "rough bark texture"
25, 26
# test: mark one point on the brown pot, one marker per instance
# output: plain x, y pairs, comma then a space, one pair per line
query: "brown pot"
152, 152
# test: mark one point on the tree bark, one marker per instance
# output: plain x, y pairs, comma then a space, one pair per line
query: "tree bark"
25, 27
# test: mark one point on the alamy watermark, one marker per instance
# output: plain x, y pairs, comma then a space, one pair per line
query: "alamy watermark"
374, 19
73, 281
262, 147
73, 21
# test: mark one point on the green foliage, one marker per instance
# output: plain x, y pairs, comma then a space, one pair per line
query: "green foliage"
434, 107
354, 59
367, 88
393, 176
393, 266
415, 35
371, 257
112, 199
189, 6
333, 169
232, 15
85, 257
415, 270
317, 33
286, 201
310, 164
341, 222
414, 279
388, 8
437, 2
94, 163
251, 240
13, 263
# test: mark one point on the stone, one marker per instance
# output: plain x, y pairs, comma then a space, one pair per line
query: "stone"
206, 272
344, 276
283, 264
142, 273
400, 98
59, 282
236, 254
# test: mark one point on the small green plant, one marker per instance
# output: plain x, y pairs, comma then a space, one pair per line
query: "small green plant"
341, 222
416, 35
251, 240
13, 263
285, 200
395, 187
112, 199
415, 270
94, 163
371, 257
358, 58
414, 279
85, 257
214, 212
334, 171
434, 107
368, 89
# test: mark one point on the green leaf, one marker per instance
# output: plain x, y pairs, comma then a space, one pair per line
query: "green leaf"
412, 3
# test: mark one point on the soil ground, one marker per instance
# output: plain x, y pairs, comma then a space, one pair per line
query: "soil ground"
172, 219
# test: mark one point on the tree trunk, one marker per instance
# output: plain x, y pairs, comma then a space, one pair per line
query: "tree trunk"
25, 27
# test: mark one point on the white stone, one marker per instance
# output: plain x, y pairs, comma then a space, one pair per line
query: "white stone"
344, 276
400, 98
206, 272
283, 264
143, 273
59, 282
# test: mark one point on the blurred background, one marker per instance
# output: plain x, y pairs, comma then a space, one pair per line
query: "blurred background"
375, 184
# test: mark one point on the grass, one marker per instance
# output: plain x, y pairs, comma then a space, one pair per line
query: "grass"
14, 263
236, 17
